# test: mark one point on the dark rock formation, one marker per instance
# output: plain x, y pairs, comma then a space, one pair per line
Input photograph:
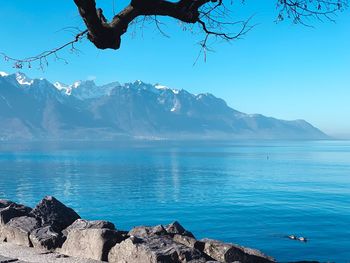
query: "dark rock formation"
5, 203
9, 210
171, 230
189, 242
46, 238
54, 227
146, 231
52, 212
225, 252
153, 249
175, 228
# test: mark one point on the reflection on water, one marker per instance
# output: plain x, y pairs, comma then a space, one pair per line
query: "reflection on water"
252, 193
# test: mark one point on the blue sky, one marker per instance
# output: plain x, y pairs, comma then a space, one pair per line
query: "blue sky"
282, 70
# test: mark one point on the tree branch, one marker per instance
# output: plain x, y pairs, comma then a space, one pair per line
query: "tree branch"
212, 16
42, 57
108, 35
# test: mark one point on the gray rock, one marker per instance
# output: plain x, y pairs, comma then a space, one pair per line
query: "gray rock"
9, 210
153, 249
52, 212
17, 231
51, 225
46, 238
226, 252
189, 242
85, 224
176, 228
147, 231
90, 243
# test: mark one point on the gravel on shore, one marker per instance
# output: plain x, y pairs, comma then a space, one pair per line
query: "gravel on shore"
18, 254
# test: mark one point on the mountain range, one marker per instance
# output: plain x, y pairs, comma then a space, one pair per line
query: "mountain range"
36, 109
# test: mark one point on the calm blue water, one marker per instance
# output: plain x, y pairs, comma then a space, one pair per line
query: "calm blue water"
251, 193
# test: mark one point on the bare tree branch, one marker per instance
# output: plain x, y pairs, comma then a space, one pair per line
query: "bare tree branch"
299, 10
212, 16
42, 57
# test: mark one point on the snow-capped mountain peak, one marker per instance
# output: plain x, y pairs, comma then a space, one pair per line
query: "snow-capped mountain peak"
84, 109
68, 89
3, 74
76, 84
86, 89
61, 86
22, 79
162, 87
158, 86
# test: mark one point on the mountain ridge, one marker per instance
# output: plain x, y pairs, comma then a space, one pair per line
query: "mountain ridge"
36, 109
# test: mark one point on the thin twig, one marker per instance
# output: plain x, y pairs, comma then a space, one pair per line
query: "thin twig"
42, 57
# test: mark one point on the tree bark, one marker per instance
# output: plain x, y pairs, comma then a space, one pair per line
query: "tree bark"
108, 35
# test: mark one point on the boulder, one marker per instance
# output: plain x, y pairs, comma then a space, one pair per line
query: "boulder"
9, 210
52, 212
189, 242
85, 224
46, 238
91, 243
153, 249
176, 228
225, 252
17, 231
51, 225
147, 231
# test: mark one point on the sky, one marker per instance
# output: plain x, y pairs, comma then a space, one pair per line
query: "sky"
282, 70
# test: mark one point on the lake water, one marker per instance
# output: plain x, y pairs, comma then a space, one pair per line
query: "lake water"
250, 193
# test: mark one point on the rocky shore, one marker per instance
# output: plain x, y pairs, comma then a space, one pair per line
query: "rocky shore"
55, 228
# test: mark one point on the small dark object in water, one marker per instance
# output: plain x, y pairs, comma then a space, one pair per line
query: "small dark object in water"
302, 239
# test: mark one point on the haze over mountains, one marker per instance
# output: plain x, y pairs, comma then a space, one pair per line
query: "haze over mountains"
35, 109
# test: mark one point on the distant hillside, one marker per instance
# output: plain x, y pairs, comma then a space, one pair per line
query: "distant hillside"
37, 109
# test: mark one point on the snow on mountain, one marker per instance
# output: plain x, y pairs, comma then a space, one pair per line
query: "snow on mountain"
3, 74
161, 87
85, 89
176, 107
60, 86
88, 89
22, 79
63, 87
137, 109
76, 84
